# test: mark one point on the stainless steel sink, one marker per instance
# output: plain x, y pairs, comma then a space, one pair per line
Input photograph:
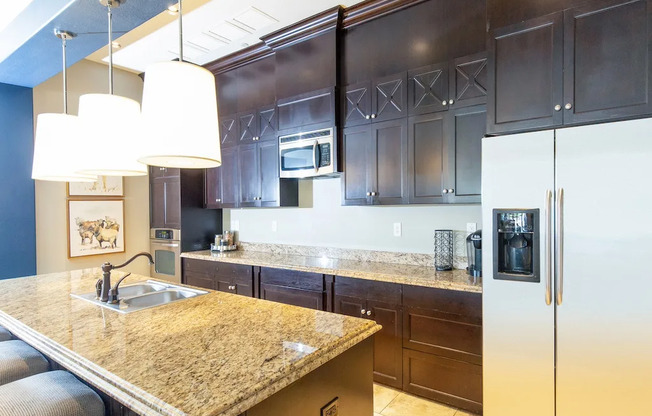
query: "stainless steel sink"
143, 295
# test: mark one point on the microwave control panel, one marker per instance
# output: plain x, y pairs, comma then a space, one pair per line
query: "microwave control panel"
324, 154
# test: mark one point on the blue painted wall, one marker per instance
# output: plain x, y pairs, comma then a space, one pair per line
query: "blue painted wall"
17, 222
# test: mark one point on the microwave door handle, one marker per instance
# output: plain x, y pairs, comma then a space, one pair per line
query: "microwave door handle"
315, 156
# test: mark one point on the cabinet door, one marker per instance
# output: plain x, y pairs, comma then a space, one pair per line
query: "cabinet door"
428, 89
389, 162
157, 204
269, 176
350, 305
607, 72
356, 159
213, 187
388, 348
468, 81
249, 177
465, 131
228, 130
525, 75
357, 104
427, 159
389, 98
267, 122
172, 192
229, 178
198, 279
156, 172
248, 126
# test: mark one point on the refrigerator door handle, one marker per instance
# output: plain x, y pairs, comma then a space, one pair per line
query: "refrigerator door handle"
560, 245
549, 247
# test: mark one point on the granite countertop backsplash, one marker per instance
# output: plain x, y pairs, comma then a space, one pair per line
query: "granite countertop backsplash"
403, 268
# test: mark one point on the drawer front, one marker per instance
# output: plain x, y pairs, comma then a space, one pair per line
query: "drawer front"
235, 288
292, 296
238, 273
200, 266
456, 383
430, 331
202, 280
456, 305
370, 289
292, 279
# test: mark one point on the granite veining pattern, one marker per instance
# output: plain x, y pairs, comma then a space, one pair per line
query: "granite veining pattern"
215, 354
361, 268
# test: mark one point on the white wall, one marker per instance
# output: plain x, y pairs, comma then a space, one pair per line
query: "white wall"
51, 233
326, 223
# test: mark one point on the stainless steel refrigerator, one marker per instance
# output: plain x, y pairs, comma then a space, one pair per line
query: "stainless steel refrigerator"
567, 279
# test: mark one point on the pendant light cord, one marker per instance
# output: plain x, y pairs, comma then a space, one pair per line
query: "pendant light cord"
65, 76
180, 33
110, 48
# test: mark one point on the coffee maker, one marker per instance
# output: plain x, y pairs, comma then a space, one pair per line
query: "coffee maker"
474, 253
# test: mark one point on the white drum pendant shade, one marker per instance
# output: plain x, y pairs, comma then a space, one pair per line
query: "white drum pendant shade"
111, 126
57, 149
180, 117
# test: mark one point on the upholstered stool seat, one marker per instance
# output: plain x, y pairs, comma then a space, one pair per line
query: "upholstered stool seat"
55, 393
19, 360
4, 334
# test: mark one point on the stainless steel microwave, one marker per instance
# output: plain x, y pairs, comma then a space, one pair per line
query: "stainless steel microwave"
308, 154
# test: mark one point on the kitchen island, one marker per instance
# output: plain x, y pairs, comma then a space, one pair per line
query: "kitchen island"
215, 354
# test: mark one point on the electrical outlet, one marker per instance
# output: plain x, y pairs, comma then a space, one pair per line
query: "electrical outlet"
331, 409
397, 229
274, 226
471, 227
235, 225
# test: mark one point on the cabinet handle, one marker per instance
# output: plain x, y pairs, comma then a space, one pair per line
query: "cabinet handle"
450, 191
369, 312
444, 103
558, 107
367, 117
445, 191
450, 102
161, 169
368, 193
218, 200
362, 312
374, 194
568, 106
373, 116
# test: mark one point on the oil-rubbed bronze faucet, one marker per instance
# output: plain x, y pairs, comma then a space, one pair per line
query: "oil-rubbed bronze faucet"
104, 291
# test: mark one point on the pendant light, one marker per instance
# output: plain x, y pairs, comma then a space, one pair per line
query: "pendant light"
111, 125
180, 114
56, 138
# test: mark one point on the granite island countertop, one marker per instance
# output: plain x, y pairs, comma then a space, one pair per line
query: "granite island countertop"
385, 272
215, 354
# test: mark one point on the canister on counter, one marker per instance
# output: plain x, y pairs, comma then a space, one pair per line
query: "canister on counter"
218, 238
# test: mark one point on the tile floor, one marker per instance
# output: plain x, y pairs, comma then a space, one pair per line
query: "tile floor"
390, 402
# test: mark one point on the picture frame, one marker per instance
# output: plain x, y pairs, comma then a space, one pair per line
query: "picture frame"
95, 227
105, 186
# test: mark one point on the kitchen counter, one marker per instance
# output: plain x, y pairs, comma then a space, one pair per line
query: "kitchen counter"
384, 272
215, 354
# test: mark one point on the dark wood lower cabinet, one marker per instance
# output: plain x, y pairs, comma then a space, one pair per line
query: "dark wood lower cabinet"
224, 277
293, 288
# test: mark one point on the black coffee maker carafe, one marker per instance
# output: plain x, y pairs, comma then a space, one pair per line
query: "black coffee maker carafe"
474, 253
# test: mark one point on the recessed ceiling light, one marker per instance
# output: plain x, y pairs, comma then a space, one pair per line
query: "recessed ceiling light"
116, 44
174, 9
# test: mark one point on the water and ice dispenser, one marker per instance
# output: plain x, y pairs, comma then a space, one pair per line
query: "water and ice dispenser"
516, 245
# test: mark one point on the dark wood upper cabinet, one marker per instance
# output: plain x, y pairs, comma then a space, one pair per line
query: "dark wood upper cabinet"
357, 104
165, 201
269, 195
267, 122
229, 130
465, 130
248, 127
607, 71
525, 75
427, 158
356, 159
428, 89
222, 182
389, 162
468, 80
249, 174
312, 110
389, 97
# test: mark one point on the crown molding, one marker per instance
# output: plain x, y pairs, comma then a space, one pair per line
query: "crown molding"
239, 58
373, 9
305, 29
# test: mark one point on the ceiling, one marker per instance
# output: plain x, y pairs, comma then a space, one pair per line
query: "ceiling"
147, 32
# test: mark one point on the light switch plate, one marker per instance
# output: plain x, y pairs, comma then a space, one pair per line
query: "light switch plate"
471, 227
397, 229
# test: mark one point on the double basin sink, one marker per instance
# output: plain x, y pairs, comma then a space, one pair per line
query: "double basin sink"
143, 295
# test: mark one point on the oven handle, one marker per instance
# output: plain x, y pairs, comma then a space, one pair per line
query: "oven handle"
165, 244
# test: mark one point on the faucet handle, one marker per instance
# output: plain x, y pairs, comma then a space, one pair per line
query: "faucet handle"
113, 292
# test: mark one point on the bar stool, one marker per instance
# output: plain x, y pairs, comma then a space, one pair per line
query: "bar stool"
4, 334
54, 393
19, 360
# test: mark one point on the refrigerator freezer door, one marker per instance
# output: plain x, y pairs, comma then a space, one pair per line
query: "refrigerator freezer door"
518, 325
604, 323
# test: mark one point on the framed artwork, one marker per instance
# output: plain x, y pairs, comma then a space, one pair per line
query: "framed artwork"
104, 186
95, 227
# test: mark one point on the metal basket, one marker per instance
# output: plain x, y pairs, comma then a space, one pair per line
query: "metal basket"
444, 250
